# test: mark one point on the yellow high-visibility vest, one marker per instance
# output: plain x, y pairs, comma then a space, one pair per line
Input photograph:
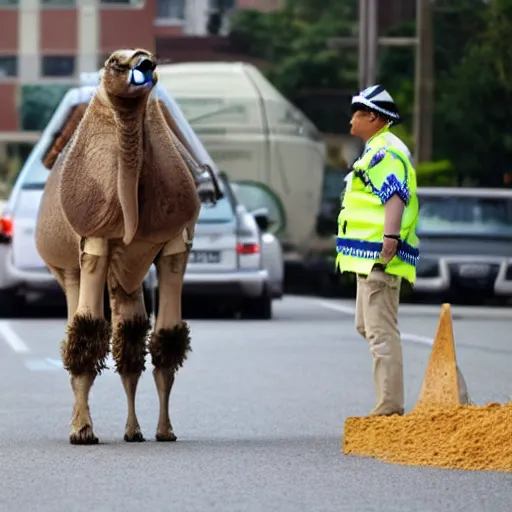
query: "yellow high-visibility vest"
383, 170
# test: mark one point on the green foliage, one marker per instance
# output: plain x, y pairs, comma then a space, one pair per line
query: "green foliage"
473, 119
473, 88
436, 174
473, 75
294, 43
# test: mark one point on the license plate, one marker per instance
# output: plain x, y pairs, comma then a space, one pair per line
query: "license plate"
474, 270
204, 257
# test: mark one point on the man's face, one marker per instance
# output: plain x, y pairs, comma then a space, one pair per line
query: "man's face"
362, 123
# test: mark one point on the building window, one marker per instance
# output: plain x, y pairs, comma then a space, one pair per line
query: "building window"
123, 2
222, 4
170, 9
58, 3
56, 66
8, 66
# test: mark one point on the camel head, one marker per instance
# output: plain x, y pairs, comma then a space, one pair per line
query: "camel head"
129, 74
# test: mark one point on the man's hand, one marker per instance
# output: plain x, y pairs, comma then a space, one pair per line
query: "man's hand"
389, 249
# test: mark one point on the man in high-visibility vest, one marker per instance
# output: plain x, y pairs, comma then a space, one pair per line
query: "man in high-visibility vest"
377, 238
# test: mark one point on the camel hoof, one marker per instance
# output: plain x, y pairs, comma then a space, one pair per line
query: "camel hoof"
166, 437
137, 437
83, 436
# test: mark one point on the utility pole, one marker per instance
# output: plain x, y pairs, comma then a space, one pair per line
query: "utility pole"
363, 44
368, 43
424, 82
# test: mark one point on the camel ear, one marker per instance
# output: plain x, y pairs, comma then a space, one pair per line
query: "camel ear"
62, 138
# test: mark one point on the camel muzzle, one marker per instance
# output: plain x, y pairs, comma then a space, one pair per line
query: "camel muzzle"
142, 73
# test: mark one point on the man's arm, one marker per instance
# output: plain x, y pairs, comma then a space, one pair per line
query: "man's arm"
394, 210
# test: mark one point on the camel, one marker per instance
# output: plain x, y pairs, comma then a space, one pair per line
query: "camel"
122, 194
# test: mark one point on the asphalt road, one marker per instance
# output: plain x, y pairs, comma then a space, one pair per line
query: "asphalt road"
258, 410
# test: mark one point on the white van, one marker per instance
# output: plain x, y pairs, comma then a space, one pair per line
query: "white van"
254, 135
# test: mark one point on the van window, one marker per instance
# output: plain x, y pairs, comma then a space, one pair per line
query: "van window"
473, 216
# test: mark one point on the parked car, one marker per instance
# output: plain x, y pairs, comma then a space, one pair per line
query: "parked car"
465, 242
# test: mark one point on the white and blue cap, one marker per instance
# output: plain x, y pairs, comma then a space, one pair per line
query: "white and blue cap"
376, 99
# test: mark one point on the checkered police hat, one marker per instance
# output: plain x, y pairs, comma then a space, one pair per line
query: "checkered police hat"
377, 99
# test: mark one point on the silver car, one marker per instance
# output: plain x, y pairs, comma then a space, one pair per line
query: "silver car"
228, 259
465, 243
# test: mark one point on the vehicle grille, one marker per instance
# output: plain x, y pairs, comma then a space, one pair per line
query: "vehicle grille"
474, 274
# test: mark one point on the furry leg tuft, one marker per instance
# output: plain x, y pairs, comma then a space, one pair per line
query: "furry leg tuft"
129, 345
87, 346
169, 347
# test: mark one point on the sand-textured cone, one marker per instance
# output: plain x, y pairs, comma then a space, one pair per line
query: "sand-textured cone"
441, 381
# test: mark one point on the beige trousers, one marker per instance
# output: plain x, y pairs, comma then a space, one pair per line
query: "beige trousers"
378, 297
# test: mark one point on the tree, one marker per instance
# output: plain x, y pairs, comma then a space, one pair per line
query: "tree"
473, 82
473, 123
294, 42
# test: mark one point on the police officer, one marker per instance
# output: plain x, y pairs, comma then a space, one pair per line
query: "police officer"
377, 238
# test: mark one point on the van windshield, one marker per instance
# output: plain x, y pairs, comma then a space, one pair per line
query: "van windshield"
467, 216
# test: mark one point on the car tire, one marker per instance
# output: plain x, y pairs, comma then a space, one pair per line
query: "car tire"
11, 305
259, 308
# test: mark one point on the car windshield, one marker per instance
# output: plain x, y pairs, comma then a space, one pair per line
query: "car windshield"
470, 216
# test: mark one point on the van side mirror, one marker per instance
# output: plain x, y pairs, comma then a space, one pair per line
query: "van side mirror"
262, 218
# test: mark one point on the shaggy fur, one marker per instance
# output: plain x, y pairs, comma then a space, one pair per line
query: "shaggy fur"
169, 347
87, 346
129, 345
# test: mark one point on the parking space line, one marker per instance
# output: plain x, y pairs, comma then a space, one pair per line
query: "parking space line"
350, 310
12, 339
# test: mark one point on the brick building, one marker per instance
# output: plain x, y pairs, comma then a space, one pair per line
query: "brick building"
53, 41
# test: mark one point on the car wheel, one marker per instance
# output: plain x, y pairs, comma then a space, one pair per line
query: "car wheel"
11, 305
259, 308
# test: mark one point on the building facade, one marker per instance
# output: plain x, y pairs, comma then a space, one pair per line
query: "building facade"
50, 42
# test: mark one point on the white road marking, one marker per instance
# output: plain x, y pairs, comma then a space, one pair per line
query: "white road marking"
12, 339
471, 312
350, 310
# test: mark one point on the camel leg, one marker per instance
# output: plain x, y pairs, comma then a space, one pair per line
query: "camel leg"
130, 326
170, 342
88, 335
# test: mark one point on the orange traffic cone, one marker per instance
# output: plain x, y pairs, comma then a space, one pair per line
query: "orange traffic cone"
443, 383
